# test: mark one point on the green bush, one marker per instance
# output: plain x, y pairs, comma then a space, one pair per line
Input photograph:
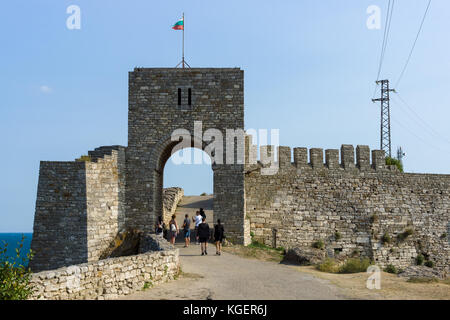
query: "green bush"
391, 269
337, 236
355, 253
14, 275
443, 236
402, 236
355, 265
147, 285
386, 238
84, 159
420, 259
318, 244
429, 264
203, 194
396, 162
328, 265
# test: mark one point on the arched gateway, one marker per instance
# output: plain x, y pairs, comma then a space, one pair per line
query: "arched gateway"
162, 100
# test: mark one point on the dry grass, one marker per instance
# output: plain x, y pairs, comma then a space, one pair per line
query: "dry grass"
392, 286
255, 252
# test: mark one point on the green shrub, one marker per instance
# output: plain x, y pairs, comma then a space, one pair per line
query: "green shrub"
443, 236
420, 259
392, 161
402, 236
84, 159
429, 264
318, 244
386, 238
14, 275
252, 234
337, 236
328, 265
355, 253
147, 285
391, 269
203, 194
355, 265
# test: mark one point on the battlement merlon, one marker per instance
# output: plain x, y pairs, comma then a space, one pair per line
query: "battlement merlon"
365, 160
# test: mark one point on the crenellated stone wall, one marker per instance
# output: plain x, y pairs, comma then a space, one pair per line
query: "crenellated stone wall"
348, 204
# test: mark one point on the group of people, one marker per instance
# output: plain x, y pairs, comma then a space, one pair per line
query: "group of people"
202, 231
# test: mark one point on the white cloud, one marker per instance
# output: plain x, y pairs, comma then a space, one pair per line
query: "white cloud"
45, 89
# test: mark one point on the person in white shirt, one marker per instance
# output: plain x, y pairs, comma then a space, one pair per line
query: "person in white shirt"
197, 220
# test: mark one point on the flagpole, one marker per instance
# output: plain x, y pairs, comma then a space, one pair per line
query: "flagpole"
183, 41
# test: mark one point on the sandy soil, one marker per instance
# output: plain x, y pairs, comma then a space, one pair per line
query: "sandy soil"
392, 286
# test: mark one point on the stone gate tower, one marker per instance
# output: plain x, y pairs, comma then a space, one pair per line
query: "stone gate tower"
162, 100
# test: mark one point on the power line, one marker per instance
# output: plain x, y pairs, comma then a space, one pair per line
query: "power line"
405, 111
414, 45
414, 134
387, 28
423, 123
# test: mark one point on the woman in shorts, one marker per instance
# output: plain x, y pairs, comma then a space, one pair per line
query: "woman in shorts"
173, 229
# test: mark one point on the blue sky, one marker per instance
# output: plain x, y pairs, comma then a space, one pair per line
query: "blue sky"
309, 68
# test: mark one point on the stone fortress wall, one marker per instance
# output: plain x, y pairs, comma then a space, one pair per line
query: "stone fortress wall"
348, 205
79, 208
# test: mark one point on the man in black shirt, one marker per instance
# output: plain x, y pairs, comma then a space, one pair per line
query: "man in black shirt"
203, 234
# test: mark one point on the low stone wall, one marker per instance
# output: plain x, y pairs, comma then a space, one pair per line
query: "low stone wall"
109, 278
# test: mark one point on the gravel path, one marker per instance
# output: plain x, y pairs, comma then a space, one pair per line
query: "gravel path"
232, 277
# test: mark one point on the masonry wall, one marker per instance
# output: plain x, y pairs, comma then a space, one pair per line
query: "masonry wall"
105, 195
60, 222
79, 209
109, 278
217, 100
171, 198
305, 201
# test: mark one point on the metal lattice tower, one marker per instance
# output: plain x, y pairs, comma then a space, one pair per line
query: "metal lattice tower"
385, 125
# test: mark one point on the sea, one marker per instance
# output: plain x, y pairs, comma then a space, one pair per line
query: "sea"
13, 240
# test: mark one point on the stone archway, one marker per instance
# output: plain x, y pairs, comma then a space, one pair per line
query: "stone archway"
162, 100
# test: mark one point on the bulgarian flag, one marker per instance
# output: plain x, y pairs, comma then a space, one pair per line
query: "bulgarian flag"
179, 25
